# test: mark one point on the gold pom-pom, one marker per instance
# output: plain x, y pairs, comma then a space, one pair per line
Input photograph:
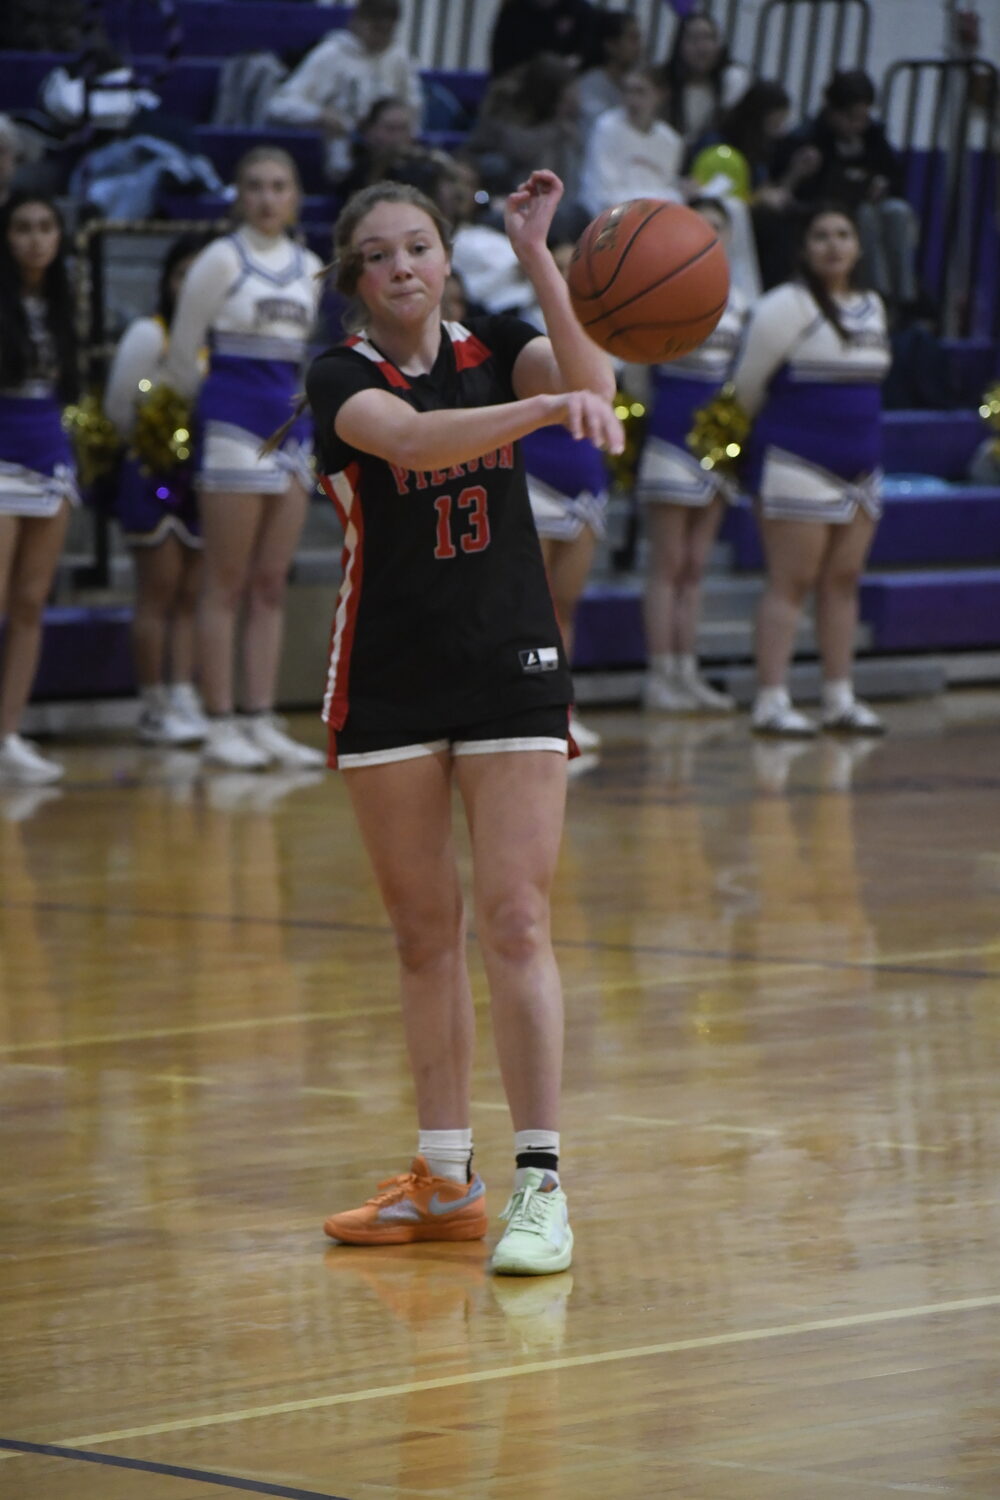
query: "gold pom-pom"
989, 410
161, 438
94, 437
632, 415
720, 431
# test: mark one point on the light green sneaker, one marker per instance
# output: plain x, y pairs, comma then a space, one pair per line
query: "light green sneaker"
538, 1239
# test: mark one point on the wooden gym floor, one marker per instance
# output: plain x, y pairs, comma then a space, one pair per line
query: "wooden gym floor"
781, 1139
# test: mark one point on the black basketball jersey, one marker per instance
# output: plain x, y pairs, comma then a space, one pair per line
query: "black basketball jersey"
444, 615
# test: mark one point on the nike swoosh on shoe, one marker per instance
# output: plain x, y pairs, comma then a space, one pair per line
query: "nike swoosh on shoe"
437, 1205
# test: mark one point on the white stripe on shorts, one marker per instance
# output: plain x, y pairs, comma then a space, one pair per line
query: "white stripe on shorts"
460, 747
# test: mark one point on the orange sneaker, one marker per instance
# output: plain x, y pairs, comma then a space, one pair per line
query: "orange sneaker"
414, 1206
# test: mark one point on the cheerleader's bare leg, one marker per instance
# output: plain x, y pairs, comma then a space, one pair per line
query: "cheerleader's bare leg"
160, 571
277, 537
30, 548
794, 552
229, 524
404, 812
514, 805
837, 594
567, 566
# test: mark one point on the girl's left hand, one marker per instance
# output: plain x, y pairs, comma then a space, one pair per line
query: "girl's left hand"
530, 210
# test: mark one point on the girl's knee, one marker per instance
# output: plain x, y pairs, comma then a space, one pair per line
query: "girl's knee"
516, 926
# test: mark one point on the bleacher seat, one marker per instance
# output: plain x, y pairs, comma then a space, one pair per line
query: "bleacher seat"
953, 610
218, 28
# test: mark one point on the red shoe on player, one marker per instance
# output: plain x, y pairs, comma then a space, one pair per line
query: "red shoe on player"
414, 1207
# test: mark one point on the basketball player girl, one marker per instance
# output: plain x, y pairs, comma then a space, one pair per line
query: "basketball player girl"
810, 374
683, 507
251, 296
568, 489
446, 670
159, 520
38, 376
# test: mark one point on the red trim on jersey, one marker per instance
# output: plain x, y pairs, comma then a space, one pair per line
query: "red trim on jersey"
392, 375
343, 490
469, 352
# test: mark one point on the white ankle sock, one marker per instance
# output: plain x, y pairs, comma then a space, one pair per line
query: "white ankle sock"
837, 696
546, 1141
665, 665
155, 697
772, 699
448, 1153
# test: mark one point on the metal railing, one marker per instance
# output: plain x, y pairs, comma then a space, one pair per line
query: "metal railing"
943, 114
803, 42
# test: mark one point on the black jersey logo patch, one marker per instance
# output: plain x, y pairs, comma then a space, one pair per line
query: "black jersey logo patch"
539, 659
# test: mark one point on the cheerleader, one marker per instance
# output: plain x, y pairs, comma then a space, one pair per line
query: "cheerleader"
251, 296
810, 372
158, 517
683, 508
38, 375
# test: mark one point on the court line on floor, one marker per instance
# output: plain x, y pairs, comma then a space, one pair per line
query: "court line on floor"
202, 1476
537, 1367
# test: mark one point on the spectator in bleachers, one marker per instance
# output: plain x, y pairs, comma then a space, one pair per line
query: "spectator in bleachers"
530, 120
251, 296
701, 81
481, 253
810, 374
385, 140
852, 162
336, 84
632, 152
38, 377
159, 520
602, 87
526, 28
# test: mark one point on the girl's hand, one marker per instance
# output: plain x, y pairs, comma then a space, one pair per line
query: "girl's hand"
529, 211
589, 416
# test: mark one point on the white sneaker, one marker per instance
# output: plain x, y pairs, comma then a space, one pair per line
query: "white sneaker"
537, 1240
586, 739
20, 761
226, 745
185, 704
855, 718
782, 720
708, 697
666, 695
160, 726
265, 733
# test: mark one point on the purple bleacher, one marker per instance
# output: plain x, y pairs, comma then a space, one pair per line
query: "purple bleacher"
99, 637
22, 73
609, 631
220, 28
467, 84
316, 208
224, 145
931, 442
944, 526
932, 611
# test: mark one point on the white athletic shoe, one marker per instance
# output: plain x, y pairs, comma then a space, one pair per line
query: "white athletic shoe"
706, 696
20, 761
855, 718
537, 1240
226, 745
586, 739
161, 726
783, 721
264, 732
184, 703
667, 695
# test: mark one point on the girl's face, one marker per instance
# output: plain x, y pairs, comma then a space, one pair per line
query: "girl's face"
392, 132
268, 196
700, 47
404, 265
831, 248
642, 100
34, 237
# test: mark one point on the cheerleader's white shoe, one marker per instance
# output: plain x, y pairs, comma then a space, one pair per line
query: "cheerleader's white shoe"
20, 761
226, 745
264, 733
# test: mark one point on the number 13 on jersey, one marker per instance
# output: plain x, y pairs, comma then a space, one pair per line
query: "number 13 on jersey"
464, 520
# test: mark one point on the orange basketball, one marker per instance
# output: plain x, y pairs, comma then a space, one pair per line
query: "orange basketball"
649, 280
